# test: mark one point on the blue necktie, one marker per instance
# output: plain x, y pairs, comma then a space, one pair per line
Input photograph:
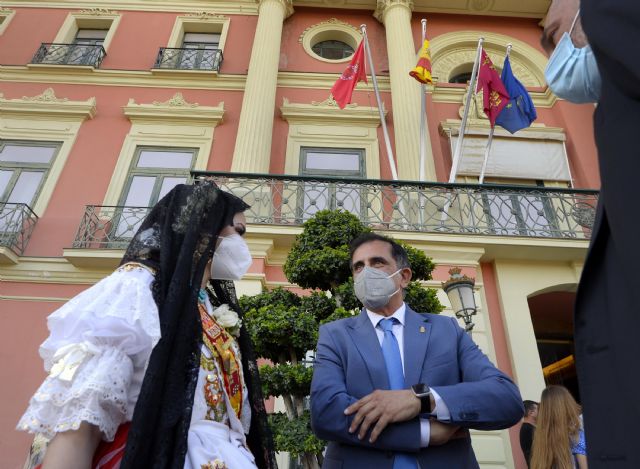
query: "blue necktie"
391, 354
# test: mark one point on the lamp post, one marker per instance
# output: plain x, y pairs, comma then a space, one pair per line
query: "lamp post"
459, 289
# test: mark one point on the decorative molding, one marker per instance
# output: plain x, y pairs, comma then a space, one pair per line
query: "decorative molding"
6, 15
383, 6
332, 29
175, 109
332, 103
454, 94
177, 101
481, 5
48, 104
98, 12
327, 111
451, 50
180, 79
206, 15
48, 96
286, 4
237, 7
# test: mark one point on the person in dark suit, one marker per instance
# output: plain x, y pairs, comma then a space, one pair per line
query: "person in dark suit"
607, 322
528, 428
393, 388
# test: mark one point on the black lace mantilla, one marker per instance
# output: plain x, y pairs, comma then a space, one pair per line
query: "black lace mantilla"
176, 239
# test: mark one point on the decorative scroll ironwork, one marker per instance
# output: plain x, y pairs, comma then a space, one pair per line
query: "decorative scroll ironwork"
16, 225
495, 210
108, 227
534, 212
70, 54
189, 59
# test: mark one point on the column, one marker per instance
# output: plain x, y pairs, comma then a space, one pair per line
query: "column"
252, 152
405, 91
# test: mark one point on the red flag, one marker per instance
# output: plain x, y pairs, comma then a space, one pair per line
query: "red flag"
495, 96
343, 87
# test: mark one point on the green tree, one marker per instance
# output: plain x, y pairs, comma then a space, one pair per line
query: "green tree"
284, 326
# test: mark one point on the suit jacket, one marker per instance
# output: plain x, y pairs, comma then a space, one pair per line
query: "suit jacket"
607, 320
349, 365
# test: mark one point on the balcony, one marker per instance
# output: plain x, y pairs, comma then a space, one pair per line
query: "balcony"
16, 225
188, 59
69, 54
459, 209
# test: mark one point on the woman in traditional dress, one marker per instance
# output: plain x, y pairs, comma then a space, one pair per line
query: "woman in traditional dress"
151, 366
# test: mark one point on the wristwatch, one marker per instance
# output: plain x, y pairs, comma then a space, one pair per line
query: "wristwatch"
423, 392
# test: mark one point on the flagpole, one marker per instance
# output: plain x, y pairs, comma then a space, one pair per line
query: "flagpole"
472, 91
387, 141
423, 113
490, 140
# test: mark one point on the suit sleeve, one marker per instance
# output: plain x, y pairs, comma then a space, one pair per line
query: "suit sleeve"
485, 398
329, 399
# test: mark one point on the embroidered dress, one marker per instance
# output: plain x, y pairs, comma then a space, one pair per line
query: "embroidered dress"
97, 353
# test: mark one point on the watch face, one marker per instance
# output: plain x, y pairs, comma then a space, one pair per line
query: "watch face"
420, 388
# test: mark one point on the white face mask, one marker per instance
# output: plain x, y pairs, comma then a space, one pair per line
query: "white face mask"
374, 287
231, 259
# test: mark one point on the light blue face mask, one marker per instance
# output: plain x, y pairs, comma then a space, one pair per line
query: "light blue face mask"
572, 73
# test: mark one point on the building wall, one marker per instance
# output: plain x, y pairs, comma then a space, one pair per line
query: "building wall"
47, 273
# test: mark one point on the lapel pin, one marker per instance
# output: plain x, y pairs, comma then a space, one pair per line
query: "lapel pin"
422, 329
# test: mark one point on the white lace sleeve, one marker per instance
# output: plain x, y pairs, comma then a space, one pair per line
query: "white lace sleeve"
96, 354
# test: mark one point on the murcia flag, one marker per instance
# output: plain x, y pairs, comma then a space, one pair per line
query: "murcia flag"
495, 96
422, 71
343, 87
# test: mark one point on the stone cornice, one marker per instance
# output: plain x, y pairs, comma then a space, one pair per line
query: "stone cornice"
328, 111
47, 103
174, 109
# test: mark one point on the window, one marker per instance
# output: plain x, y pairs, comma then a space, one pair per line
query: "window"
333, 50
199, 51
23, 169
461, 78
520, 213
153, 173
336, 162
87, 47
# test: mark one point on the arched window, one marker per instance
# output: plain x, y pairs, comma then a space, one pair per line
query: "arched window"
460, 78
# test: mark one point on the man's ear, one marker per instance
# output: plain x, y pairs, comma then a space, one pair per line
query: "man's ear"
405, 275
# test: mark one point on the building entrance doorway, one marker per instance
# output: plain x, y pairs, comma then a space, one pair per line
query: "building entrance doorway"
552, 317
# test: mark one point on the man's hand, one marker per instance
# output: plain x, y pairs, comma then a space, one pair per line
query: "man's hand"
382, 407
441, 433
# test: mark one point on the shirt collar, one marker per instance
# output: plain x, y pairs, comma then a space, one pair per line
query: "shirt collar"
399, 314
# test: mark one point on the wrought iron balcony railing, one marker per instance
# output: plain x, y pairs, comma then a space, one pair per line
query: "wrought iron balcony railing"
383, 205
69, 54
16, 225
189, 59
414, 206
108, 227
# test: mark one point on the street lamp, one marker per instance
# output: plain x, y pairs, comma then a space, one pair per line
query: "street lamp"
459, 289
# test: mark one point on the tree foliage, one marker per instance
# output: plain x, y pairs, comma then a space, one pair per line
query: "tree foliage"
284, 326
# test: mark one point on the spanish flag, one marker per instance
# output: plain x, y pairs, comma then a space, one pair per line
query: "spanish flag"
422, 72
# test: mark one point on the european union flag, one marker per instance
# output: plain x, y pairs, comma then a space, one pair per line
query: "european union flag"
520, 112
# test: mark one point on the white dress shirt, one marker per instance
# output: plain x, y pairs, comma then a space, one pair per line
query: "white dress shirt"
441, 410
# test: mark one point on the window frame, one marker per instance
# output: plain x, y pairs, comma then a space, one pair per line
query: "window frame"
19, 168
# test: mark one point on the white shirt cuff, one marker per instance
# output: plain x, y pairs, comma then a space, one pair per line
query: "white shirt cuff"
425, 432
441, 411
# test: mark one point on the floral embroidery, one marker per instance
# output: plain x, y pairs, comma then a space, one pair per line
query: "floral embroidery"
215, 464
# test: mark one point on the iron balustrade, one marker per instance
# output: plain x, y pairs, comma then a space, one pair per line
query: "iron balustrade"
69, 54
17, 222
108, 227
189, 59
493, 210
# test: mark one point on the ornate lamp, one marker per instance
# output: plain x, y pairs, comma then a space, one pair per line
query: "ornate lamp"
459, 289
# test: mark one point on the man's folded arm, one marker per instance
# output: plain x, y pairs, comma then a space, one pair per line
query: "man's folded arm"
486, 399
329, 399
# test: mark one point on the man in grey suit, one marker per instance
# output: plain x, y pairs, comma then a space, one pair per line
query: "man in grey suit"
396, 389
